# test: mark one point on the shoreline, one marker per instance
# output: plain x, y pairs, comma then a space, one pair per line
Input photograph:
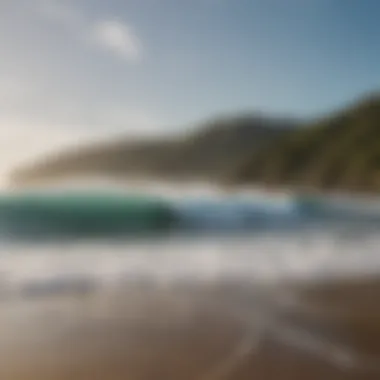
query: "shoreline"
183, 186
231, 331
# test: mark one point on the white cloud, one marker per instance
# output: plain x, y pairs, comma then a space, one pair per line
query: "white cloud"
42, 105
118, 38
111, 35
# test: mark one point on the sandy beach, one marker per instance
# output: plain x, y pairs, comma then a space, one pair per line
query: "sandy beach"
203, 332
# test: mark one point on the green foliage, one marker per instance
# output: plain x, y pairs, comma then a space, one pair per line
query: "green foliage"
340, 152
212, 150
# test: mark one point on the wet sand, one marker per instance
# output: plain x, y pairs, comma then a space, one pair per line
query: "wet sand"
233, 331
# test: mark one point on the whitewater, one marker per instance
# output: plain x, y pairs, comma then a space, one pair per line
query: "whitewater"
217, 245
238, 256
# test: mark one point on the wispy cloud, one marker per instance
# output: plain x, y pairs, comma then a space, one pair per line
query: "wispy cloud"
111, 35
118, 38
45, 98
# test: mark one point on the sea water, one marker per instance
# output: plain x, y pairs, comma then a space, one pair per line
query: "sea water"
258, 236
257, 242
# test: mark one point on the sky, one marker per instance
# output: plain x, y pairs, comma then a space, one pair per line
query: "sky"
77, 68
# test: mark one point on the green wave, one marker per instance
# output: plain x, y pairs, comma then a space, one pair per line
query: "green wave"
82, 213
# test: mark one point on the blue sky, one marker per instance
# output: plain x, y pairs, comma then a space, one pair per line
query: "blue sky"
153, 65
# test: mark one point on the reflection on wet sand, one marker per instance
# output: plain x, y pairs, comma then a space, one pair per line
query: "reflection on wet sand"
230, 331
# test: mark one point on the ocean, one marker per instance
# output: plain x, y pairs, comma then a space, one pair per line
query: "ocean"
234, 253
260, 236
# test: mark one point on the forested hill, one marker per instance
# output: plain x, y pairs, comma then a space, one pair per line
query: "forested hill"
210, 151
339, 152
